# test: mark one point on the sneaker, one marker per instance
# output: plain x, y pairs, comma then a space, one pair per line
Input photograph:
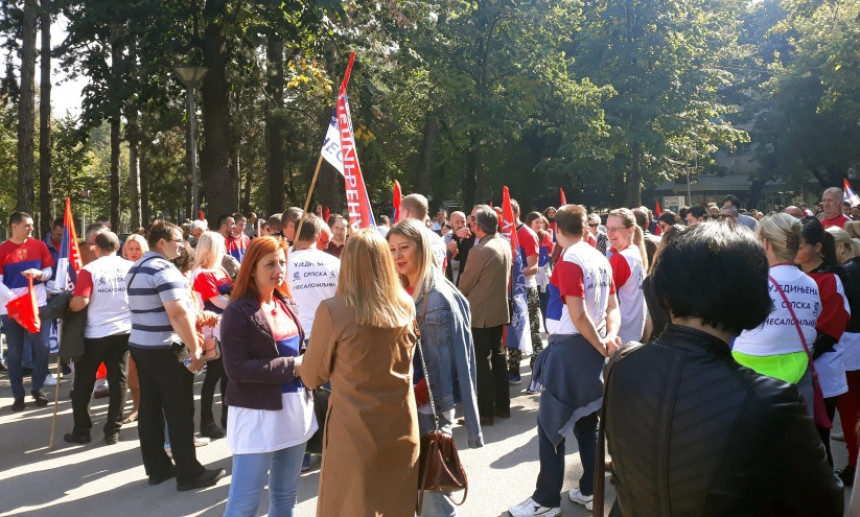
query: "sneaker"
579, 498
50, 380
846, 475
515, 379
40, 398
201, 441
18, 405
838, 436
529, 508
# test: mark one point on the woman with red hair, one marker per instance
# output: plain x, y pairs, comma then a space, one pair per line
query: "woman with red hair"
271, 413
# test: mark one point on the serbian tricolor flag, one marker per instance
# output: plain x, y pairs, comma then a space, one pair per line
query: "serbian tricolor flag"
69, 257
517, 334
345, 159
658, 230
562, 199
848, 194
395, 202
25, 310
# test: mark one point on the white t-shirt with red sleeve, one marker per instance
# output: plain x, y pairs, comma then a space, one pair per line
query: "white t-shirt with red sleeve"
583, 272
103, 282
628, 272
529, 247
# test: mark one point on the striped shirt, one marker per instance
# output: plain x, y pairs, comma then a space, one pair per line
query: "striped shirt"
156, 281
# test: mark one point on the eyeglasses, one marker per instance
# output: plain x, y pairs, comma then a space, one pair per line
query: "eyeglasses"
615, 229
178, 241
593, 225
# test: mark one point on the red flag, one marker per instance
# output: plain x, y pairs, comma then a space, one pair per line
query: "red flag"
200, 215
24, 310
327, 213
658, 211
357, 200
395, 202
508, 222
562, 198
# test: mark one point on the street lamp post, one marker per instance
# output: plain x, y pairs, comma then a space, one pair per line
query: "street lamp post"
191, 77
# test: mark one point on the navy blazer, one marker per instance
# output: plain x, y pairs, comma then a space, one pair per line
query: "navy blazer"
254, 369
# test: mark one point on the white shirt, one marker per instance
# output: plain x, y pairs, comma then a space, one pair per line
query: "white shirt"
108, 313
778, 334
628, 272
312, 275
582, 272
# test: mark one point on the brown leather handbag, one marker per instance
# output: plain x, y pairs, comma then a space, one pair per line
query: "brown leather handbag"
439, 467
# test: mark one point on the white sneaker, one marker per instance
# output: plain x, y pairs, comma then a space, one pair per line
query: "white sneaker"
529, 508
50, 380
577, 497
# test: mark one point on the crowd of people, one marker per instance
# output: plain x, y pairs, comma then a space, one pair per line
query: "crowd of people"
369, 339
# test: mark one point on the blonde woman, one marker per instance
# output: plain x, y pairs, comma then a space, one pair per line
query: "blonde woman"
363, 341
132, 249
775, 347
629, 263
212, 287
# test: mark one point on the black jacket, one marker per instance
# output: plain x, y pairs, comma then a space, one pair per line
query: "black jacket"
693, 433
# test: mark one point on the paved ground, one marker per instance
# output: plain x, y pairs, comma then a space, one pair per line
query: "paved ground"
97, 480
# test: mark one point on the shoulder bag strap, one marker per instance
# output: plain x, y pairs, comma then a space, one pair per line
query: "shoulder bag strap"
424, 362
130, 280
796, 322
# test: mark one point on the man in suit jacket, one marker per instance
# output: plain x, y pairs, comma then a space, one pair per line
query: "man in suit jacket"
484, 282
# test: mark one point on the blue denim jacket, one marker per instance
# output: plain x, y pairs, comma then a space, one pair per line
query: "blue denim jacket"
446, 340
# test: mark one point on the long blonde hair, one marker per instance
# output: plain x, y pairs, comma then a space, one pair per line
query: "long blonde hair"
844, 240
369, 282
426, 260
629, 219
210, 250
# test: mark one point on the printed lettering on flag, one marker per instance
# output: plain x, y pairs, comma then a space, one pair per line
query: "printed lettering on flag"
69, 259
331, 145
517, 335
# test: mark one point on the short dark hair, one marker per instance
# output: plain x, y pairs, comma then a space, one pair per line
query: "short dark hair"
311, 228
733, 199
641, 215
814, 233
18, 217
239, 217
383, 220
515, 206
222, 219
160, 230
275, 222
570, 219
668, 217
487, 220
717, 272
698, 211
107, 241
58, 223
291, 215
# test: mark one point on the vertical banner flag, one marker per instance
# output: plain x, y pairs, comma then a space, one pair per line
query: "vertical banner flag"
69, 258
562, 199
395, 202
517, 335
658, 230
339, 150
848, 194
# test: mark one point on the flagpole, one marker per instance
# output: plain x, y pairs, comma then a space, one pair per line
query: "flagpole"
57, 386
308, 199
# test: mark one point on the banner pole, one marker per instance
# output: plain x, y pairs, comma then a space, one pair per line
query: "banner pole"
308, 199
56, 387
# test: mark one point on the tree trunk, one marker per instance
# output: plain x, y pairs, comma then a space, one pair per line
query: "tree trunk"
45, 185
219, 185
145, 215
473, 172
276, 158
428, 144
133, 132
26, 110
634, 179
116, 109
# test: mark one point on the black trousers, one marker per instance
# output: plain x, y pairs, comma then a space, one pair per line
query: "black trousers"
492, 371
166, 391
113, 351
215, 376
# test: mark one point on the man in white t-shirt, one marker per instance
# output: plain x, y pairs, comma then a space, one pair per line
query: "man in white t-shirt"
101, 290
414, 206
312, 274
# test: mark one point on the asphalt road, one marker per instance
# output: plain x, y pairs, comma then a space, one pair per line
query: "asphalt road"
101, 480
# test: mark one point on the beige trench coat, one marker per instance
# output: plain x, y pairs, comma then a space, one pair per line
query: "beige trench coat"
370, 445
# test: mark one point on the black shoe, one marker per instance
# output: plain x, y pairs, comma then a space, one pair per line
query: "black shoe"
207, 478
40, 398
18, 405
2, 367
77, 438
66, 369
26, 371
211, 430
846, 475
501, 414
158, 479
112, 438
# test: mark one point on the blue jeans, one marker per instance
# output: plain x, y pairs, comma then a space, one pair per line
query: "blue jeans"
251, 472
551, 476
436, 504
17, 340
